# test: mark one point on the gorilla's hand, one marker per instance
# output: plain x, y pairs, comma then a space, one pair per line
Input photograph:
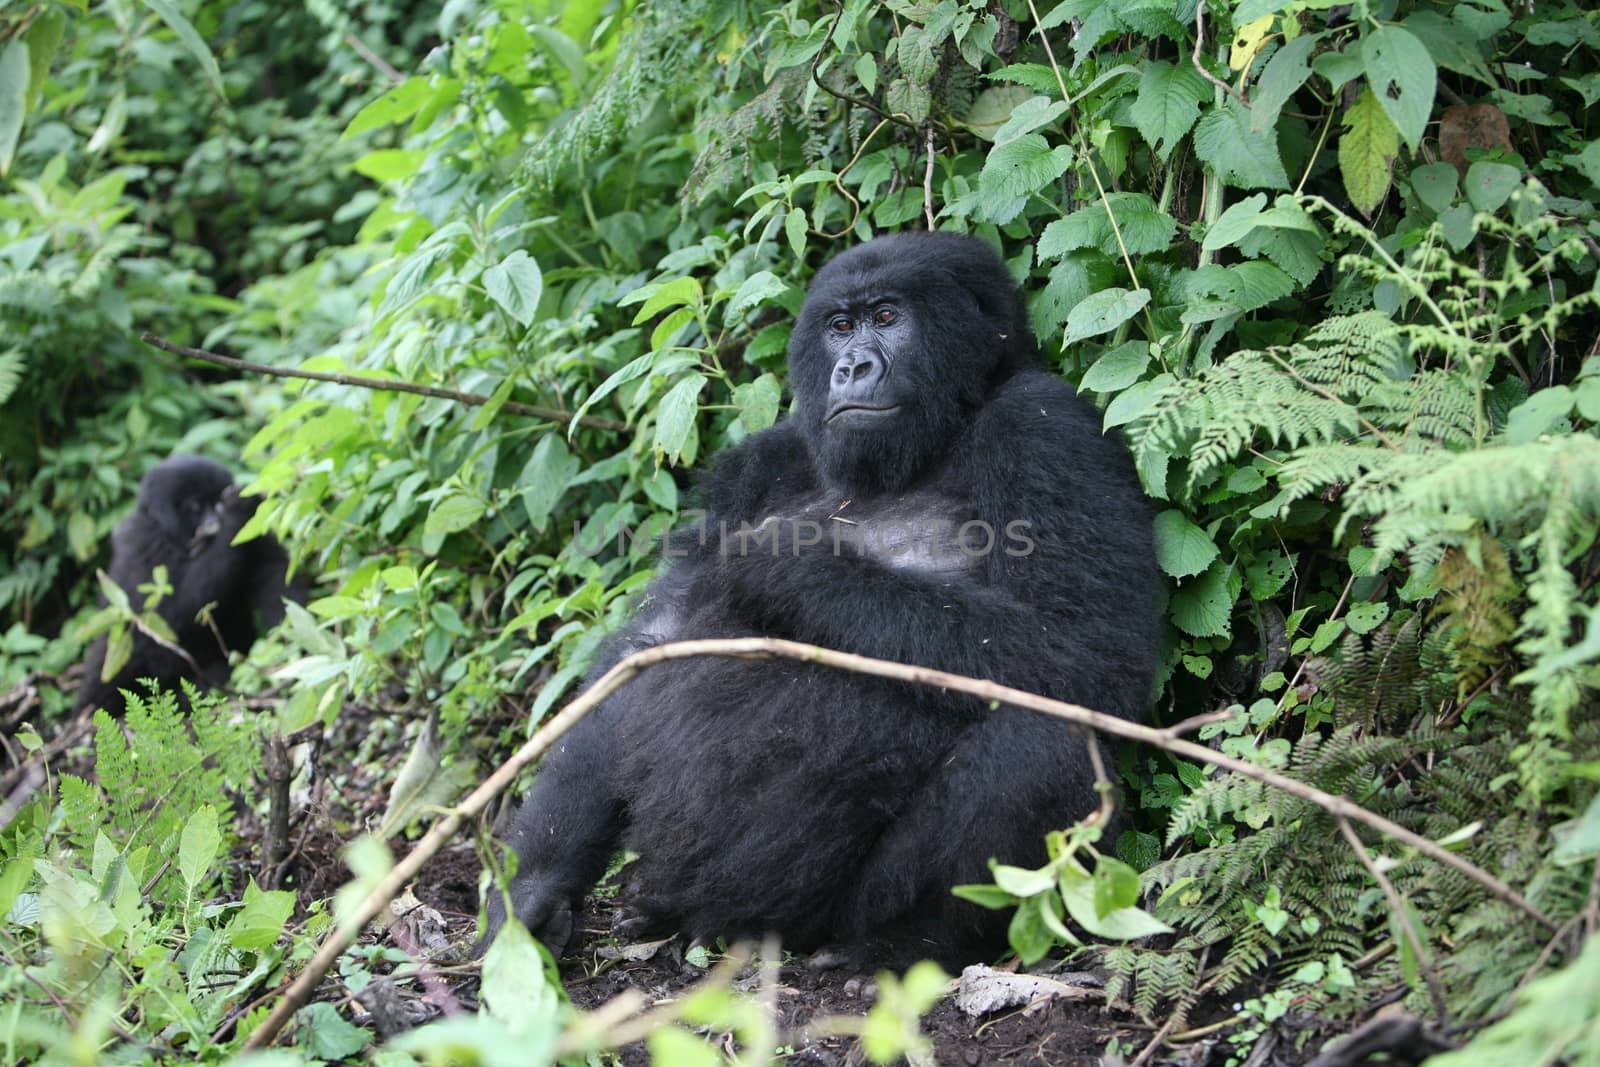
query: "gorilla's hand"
539, 905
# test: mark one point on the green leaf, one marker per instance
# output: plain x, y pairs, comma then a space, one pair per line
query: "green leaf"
516, 284
191, 40
1402, 78
1282, 77
658, 298
1235, 223
258, 924
1104, 311
758, 402
544, 478
1435, 185
867, 73
395, 105
324, 1034
673, 1046
1367, 616
1116, 886
1022, 882
1239, 156
13, 99
1145, 228
1539, 414
1168, 103
675, 415
1013, 172
517, 990
1489, 185
757, 289
453, 513
44, 37
199, 845
985, 896
794, 228
389, 164
1367, 151
993, 108
1136, 400
1118, 368
1204, 607
1029, 116
1182, 548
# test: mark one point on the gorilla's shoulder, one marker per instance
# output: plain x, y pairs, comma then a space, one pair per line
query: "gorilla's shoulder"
1039, 404
773, 464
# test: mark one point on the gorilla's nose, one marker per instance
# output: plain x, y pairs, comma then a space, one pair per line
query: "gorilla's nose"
859, 375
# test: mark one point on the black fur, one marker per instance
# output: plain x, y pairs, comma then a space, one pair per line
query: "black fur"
822, 805
188, 513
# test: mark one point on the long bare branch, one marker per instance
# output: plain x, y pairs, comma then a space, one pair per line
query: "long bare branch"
380, 384
299, 992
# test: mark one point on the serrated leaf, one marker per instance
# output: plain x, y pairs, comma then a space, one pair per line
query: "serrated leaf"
1182, 548
1168, 104
675, 415
1203, 607
1367, 152
1013, 172
1366, 617
1240, 156
1402, 78
1136, 400
658, 298
516, 284
190, 40
1104, 311
1029, 116
1144, 228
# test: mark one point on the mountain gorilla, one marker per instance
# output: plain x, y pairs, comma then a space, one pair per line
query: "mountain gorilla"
188, 513
936, 499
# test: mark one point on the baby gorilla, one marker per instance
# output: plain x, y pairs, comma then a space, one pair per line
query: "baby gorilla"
188, 513
937, 499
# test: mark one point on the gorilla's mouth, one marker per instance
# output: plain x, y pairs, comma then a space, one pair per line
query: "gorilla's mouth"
861, 411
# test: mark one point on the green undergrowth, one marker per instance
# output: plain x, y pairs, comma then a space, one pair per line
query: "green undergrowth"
1329, 269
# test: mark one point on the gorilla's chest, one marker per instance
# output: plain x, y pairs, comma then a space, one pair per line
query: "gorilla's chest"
929, 531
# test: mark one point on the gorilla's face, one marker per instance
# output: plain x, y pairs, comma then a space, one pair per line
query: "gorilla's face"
180, 494
899, 342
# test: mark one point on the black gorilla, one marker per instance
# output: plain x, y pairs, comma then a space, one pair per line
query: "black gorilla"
188, 513
936, 499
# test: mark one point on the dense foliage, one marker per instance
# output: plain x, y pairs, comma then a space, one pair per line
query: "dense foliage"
1331, 269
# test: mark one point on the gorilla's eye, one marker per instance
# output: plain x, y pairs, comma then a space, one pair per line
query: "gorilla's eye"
884, 316
841, 325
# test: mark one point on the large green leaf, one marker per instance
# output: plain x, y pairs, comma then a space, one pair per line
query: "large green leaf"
13, 99
1015, 171
190, 39
516, 283
1168, 103
1367, 152
1239, 155
1104, 311
1403, 78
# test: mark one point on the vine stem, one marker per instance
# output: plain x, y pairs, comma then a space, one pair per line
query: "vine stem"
763, 648
379, 384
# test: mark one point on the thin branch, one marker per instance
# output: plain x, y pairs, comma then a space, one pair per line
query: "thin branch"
927, 182
374, 58
380, 384
1402, 914
762, 648
1199, 42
